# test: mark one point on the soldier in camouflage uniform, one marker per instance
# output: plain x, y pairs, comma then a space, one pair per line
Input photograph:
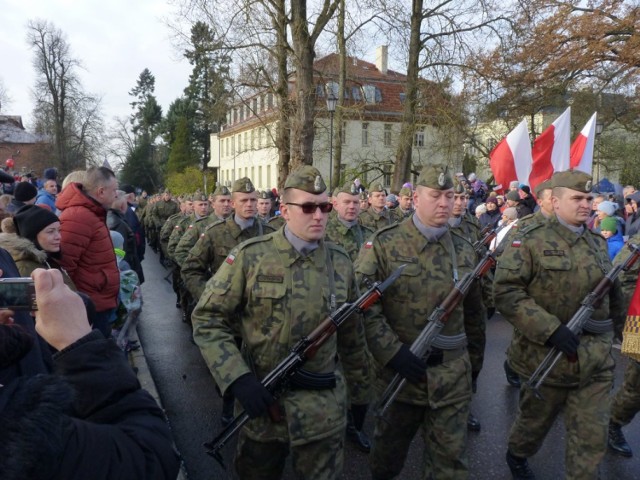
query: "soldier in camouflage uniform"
343, 229
173, 222
468, 227
364, 201
542, 257
377, 215
146, 218
213, 246
626, 401
543, 193
265, 202
273, 290
405, 206
162, 210
437, 396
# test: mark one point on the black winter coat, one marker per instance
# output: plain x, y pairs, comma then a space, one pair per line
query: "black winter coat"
91, 421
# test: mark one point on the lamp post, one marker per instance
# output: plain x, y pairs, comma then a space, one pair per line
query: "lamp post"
599, 128
332, 101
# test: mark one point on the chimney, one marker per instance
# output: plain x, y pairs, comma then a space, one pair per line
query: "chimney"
382, 57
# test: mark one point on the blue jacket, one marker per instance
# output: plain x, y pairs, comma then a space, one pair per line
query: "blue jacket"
45, 198
614, 244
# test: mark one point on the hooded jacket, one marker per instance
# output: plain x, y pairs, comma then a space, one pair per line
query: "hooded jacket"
28, 257
88, 258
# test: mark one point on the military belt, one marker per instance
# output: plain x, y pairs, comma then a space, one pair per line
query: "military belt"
450, 342
598, 326
305, 380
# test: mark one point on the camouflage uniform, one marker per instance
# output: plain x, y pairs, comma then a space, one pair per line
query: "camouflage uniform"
349, 238
374, 220
440, 403
277, 222
213, 246
167, 229
161, 211
273, 295
543, 258
191, 235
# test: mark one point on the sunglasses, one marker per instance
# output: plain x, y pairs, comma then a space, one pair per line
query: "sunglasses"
310, 208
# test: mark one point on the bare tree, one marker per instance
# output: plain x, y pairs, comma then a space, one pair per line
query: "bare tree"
5, 99
63, 110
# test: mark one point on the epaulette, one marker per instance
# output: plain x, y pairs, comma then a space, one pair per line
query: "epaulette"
455, 233
337, 248
214, 224
384, 229
254, 240
529, 228
203, 218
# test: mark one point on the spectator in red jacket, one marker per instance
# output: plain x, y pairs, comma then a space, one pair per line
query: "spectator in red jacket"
89, 258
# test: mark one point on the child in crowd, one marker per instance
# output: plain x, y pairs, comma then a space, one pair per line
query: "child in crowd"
609, 230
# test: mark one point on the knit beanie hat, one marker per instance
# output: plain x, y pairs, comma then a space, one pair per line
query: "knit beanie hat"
24, 191
609, 224
608, 208
31, 220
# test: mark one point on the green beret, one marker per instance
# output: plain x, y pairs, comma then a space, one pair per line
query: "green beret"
349, 188
376, 187
573, 179
541, 187
221, 190
266, 195
458, 187
364, 196
405, 192
436, 177
243, 185
307, 179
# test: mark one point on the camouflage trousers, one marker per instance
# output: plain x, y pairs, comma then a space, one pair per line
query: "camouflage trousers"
586, 418
319, 460
626, 401
445, 436
476, 340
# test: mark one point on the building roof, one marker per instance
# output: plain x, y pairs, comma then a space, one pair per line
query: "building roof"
12, 131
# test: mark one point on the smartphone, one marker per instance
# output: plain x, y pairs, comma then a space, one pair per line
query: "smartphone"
17, 294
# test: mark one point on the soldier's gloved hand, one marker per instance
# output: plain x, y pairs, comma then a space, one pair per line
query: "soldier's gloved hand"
254, 398
408, 365
564, 340
358, 412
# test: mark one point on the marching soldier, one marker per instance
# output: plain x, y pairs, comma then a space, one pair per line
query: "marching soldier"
273, 290
265, 202
437, 395
561, 256
364, 201
377, 215
162, 210
405, 206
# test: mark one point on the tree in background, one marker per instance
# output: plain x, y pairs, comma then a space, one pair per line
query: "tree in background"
188, 181
5, 99
140, 168
147, 114
181, 154
63, 111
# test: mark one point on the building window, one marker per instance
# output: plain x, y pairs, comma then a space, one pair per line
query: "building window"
343, 134
235, 115
333, 89
365, 134
418, 138
387, 134
270, 100
252, 139
268, 182
255, 106
239, 143
319, 90
260, 176
356, 93
253, 174
246, 140
370, 94
403, 97
386, 174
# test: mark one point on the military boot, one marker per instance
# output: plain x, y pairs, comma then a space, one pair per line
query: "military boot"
512, 377
357, 436
519, 467
473, 424
617, 443
226, 418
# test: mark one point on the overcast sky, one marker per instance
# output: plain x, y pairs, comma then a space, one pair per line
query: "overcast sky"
115, 40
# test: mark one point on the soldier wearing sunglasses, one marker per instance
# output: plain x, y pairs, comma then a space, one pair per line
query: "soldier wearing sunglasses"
273, 290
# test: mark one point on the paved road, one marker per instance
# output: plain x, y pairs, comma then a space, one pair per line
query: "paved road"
193, 406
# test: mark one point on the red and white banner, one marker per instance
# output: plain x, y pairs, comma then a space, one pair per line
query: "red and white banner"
551, 150
511, 158
582, 147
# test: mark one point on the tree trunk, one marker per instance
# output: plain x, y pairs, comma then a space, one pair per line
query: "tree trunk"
342, 80
283, 135
402, 171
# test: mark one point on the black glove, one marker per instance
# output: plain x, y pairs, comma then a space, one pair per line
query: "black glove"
564, 340
408, 365
358, 412
254, 398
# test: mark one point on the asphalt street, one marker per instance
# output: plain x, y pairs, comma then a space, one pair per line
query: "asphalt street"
188, 394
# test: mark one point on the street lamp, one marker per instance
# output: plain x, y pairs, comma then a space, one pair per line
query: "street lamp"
599, 129
332, 101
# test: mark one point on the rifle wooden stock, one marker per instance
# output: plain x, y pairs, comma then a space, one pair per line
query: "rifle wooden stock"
277, 381
580, 318
421, 346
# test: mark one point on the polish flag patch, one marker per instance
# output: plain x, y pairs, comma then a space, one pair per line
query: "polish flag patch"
368, 245
230, 259
516, 243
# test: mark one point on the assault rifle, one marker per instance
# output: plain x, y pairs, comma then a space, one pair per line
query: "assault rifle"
486, 237
278, 380
421, 347
580, 318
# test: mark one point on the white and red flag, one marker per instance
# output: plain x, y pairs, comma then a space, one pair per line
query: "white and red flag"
511, 158
551, 150
582, 147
